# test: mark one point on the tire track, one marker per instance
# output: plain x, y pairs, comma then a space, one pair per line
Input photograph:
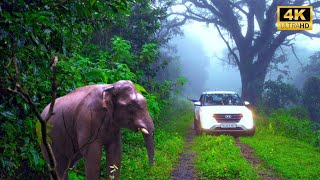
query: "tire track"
263, 172
185, 169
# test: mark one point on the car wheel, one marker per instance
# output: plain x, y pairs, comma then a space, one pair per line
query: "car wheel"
252, 131
197, 127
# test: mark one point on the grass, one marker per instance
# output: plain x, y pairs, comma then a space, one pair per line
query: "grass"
287, 144
219, 158
291, 158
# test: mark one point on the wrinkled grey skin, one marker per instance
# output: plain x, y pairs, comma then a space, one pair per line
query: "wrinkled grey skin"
91, 116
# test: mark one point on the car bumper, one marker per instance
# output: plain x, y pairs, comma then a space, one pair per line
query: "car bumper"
239, 130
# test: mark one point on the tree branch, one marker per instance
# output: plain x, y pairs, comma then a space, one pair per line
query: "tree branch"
310, 35
250, 22
229, 48
295, 55
238, 7
26, 97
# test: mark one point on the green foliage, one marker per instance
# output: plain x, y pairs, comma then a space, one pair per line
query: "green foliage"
17, 146
121, 50
149, 53
154, 107
278, 94
291, 158
167, 87
84, 71
299, 112
288, 123
31, 32
219, 158
311, 97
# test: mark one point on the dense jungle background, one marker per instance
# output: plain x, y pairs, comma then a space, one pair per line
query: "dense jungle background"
49, 47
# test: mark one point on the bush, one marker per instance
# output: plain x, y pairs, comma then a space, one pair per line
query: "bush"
311, 97
20, 154
287, 123
278, 94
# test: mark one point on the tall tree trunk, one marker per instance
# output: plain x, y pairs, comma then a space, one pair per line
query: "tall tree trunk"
252, 87
253, 77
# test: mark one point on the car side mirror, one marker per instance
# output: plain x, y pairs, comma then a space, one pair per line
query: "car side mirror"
246, 103
197, 103
192, 100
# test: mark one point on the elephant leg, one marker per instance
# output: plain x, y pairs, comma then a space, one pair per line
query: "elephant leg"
92, 160
62, 167
61, 163
113, 153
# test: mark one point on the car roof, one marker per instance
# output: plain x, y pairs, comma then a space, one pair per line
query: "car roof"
219, 92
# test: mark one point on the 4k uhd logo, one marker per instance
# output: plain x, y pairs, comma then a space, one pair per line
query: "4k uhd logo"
294, 18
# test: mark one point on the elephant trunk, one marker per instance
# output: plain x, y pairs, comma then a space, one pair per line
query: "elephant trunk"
149, 141
148, 138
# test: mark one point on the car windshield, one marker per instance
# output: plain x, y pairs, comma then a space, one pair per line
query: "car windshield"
222, 100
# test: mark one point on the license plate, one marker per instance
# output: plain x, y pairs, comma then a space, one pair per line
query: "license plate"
228, 125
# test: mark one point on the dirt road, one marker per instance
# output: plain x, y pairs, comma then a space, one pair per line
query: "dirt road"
185, 169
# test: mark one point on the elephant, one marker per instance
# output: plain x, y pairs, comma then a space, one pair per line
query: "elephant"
89, 118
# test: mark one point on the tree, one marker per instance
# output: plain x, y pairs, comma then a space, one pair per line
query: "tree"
311, 97
251, 45
278, 94
31, 32
313, 67
146, 28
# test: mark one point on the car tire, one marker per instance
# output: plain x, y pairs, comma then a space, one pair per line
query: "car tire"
252, 131
197, 127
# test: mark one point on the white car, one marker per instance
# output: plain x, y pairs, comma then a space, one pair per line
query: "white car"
222, 112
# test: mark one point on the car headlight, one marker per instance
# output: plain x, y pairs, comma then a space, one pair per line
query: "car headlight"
248, 119
248, 114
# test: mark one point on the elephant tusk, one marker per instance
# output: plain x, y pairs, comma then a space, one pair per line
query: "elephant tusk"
144, 131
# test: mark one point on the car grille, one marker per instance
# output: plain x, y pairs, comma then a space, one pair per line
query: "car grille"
228, 118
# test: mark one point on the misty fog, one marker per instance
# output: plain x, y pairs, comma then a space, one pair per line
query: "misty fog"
202, 58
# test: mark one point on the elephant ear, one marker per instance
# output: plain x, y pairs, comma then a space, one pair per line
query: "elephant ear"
107, 98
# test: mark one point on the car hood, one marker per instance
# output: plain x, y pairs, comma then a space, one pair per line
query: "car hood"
225, 109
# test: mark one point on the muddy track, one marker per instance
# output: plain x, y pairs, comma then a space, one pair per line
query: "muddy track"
185, 169
263, 172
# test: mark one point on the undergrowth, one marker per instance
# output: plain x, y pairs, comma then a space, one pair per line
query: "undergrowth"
292, 123
219, 158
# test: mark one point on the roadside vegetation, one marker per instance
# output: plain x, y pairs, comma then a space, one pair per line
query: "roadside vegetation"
287, 142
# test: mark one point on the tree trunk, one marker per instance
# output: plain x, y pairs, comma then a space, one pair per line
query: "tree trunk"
252, 87
252, 78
